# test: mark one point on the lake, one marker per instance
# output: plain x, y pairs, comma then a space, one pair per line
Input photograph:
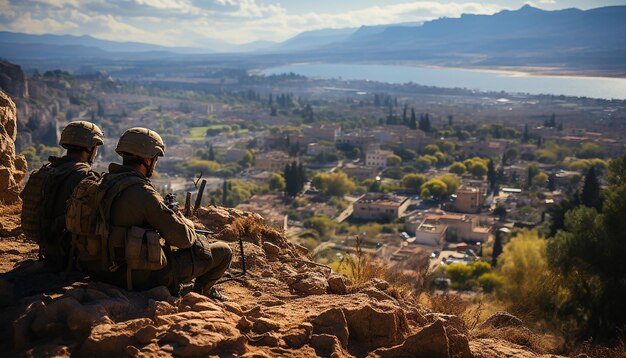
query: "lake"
483, 80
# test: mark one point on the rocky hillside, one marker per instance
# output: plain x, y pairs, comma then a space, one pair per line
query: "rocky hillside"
12, 167
285, 306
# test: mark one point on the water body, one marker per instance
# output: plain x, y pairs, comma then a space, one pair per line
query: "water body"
595, 87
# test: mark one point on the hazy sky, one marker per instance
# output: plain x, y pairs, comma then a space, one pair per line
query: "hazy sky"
195, 22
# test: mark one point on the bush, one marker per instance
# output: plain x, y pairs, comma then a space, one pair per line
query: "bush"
320, 223
490, 282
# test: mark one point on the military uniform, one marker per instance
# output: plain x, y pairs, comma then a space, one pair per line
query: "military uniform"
57, 246
140, 205
47, 190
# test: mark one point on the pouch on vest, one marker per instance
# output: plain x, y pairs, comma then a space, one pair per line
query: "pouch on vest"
143, 250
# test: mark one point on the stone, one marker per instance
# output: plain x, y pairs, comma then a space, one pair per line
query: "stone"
430, 342
326, 345
375, 327
299, 336
266, 339
271, 251
112, 338
333, 322
338, 284
449, 321
264, 325
12, 166
146, 334
200, 337
310, 285
376, 294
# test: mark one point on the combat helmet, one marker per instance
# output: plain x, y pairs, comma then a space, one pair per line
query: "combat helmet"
141, 142
81, 134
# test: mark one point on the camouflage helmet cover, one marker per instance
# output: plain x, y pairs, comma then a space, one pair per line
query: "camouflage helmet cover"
81, 134
141, 142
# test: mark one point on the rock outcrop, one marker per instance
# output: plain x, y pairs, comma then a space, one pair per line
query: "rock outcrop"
12, 80
285, 306
12, 167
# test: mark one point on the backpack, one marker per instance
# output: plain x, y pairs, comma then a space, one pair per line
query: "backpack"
87, 216
93, 236
38, 196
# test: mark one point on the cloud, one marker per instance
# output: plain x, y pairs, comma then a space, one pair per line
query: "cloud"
194, 22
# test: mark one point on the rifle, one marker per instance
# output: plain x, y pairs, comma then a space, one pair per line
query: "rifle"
171, 202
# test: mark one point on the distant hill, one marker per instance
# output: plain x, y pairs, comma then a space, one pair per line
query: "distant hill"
310, 40
88, 41
528, 36
593, 39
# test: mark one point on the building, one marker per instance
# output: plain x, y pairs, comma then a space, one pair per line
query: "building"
493, 148
431, 233
458, 227
380, 206
468, 200
327, 132
359, 171
377, 158
273, 161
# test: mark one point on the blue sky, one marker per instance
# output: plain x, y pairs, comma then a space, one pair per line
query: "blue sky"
198, 22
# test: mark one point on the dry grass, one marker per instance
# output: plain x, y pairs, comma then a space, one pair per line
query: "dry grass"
597, 351
405, 280
521, 336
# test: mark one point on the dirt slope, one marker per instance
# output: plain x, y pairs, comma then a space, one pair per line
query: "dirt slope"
286, 306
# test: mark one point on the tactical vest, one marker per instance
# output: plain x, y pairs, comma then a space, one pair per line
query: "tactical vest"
39, 222
95, 238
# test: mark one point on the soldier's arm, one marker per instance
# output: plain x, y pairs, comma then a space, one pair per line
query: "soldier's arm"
173, 227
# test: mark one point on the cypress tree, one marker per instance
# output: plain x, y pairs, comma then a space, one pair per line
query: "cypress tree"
497, 249
211, 153
413, 124
590, 195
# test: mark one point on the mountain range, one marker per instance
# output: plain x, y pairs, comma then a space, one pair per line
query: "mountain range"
569, 38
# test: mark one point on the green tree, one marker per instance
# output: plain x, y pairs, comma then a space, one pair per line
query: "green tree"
589, 255
434, 188
478, 169
247, 159
459, 274
529, 285
413, 182
457, 168
452, 183
276, 182
394, 160
334, 184
491, 176
590, 195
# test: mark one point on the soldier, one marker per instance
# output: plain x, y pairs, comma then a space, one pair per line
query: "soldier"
48, 188
138, 211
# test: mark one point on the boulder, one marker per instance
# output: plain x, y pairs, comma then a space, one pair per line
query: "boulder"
338, 284
308, 284
430, 342
200, 337
502, 320
12, 167
375, 327
333, 322
113, 338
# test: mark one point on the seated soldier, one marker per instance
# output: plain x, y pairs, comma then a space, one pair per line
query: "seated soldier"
140, 210
48, 188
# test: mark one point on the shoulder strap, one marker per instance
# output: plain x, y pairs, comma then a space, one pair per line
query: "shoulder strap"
59, 175
113, 189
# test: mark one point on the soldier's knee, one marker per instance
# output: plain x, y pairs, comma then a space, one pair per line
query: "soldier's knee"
222, 250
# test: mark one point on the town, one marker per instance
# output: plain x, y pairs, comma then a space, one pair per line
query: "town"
407, 171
